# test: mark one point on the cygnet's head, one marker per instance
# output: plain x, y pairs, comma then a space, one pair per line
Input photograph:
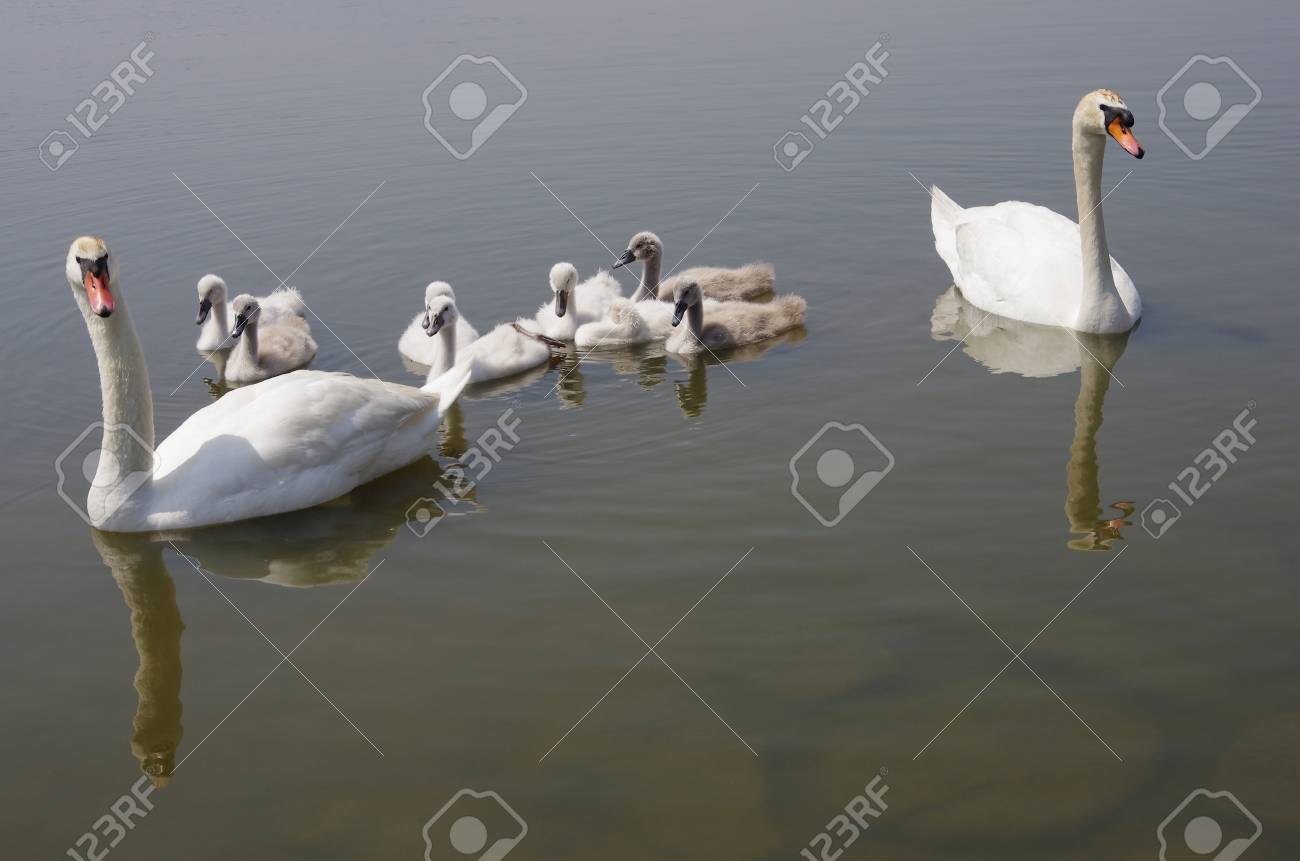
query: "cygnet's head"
644, 246
212, 291
564, 277
439, 311
437, 288
685, 296
246, 312
92, 274
1103, 112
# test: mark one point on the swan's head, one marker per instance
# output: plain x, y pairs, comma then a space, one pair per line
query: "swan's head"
212, 291
246, 312
686, 296
564, 277
437, 288
439, 311
90, 267
643, 246
1103, 112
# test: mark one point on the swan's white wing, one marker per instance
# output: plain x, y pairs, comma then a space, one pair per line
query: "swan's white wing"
503, 352
1018, 260
592, 297
283, 302
287, 443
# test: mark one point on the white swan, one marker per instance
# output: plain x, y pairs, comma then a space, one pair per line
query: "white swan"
215, 334
744, 283
574, 304
1028, 263
730, 324
626, 323
266, 347
508, 349
291, 442
415, 343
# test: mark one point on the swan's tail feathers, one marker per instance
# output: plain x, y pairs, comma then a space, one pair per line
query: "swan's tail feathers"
550, 342
945, 215
622, 311
761, 275
793, 308
287, 300
448, 385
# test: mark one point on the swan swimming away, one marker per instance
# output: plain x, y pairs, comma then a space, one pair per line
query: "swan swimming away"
215, 332
508, 349
574, 304
415, 343
745, 283
730, 324
291, 442
266, 348
1028, 263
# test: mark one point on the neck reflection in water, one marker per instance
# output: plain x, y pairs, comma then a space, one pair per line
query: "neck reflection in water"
1030, 350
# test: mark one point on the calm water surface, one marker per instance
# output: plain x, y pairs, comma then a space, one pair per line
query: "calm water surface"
828, 654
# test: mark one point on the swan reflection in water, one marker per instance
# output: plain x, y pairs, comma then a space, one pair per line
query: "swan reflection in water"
330, 544
156, 626
1031, 350
649, 364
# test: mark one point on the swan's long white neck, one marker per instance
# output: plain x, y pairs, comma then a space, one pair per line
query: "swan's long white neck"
216, 324
447, 358
248, 340
1100, 301
124, 388
649, 287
